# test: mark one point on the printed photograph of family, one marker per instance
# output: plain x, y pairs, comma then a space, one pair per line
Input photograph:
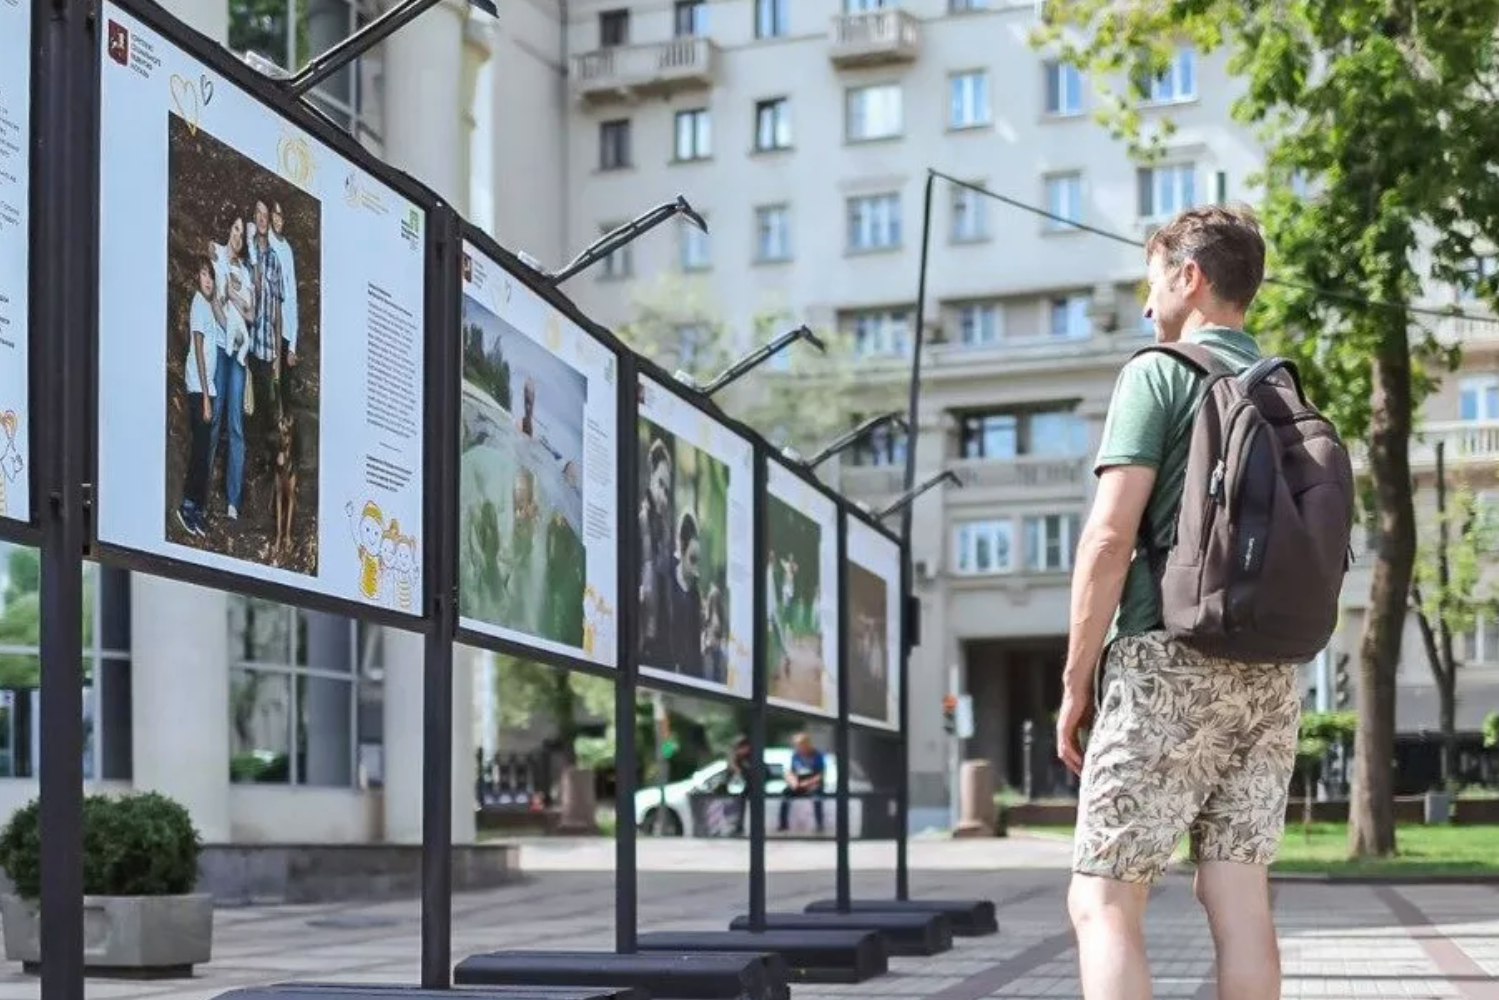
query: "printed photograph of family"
523, 564
684, 558
793, 606
868, 636
243, 353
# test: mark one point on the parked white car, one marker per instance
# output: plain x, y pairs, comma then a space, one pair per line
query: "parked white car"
715, 779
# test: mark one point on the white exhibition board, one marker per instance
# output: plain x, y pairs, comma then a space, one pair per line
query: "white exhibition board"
252, 276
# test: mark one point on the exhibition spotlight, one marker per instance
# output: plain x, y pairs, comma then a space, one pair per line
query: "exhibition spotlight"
322, 66
627, 233
909, 497
754, 359
859, 433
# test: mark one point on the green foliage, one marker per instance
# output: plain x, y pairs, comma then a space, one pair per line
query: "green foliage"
486, 369
1491, 730
1467, 594
1320, 732
134, 845
800, 399
527, 691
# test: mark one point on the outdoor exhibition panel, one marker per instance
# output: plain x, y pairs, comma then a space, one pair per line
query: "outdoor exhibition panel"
539, 477
801, 650
16, 145
262, 310
874, 608
695, 544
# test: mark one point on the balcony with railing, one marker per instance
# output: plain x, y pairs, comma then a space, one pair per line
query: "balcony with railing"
874, 37
627, 72
985, 479
1466, 442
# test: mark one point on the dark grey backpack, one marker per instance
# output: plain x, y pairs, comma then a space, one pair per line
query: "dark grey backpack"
1261, 543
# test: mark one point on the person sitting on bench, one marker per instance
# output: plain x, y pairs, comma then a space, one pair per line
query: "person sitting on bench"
803, 778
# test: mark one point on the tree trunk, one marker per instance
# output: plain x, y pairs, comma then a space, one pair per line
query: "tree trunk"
1447, 676
1371, 827
1447, 713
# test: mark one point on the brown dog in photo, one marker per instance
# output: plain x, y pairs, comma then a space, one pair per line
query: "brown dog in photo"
288, 463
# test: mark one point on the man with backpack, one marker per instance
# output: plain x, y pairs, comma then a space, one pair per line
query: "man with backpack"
1208, 570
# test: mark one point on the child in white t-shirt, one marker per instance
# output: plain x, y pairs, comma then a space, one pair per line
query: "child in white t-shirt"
205, 335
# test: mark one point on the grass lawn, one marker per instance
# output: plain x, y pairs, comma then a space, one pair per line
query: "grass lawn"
1422, 850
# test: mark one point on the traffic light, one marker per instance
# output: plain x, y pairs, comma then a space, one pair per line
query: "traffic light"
950, 714
1340, 686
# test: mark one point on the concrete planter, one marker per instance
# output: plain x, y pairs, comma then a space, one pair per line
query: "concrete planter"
135, 936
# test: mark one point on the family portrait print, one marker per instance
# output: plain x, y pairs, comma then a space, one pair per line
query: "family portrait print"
243, 359
794, 646
523, 562
869, 653
683, 523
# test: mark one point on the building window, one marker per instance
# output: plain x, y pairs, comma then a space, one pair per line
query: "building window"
618, 265
1478, 398
772, 124
964, 6
1167, 190
692, 248
1178, 82
968, 99
691, 19
694, 341
1050, 542
1478, 270
1064, 88
293, 699
978, 324
1481, 644
969, 216
881, 333
1007, 434
883, 446
985, 546
694, 135
1064, 198
772, 18
865, 6
105, 698
874, 222
772, 234
614, 28
1069, 316
873, 112
290, 32
614, 144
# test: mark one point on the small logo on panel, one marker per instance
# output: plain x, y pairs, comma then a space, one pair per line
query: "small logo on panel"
119, 43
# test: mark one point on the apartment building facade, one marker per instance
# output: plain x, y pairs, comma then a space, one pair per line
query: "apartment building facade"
803, 131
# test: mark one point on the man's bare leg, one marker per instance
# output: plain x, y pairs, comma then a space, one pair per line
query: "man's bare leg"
1237, 900
1109, 917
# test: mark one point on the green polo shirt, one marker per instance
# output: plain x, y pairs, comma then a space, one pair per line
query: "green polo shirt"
1149, 423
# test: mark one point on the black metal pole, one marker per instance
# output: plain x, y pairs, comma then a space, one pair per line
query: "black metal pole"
758, 734
843, 751
913, 423
441, 528
626, 871
64, 74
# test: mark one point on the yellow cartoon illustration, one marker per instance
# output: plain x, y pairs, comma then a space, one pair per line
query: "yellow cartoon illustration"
10, 456
405, 570
368, 527
388, 542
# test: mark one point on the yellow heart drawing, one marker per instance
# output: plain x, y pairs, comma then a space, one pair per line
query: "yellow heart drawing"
188, 101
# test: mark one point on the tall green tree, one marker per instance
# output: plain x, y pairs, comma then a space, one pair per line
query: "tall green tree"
1381, 129
527, 692
1449, 594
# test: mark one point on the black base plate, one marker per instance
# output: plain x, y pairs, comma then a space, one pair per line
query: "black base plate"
968, 917
668, 975
904, 933
824, 956
390, 991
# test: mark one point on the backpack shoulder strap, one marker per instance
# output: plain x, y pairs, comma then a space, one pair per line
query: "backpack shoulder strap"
1193, 355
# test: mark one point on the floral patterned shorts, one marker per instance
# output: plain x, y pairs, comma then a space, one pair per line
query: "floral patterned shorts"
1185, 743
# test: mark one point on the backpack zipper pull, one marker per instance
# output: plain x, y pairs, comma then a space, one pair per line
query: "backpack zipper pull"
1215, 482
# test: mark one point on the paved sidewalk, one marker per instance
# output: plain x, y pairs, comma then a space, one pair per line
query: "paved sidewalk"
1337, 941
